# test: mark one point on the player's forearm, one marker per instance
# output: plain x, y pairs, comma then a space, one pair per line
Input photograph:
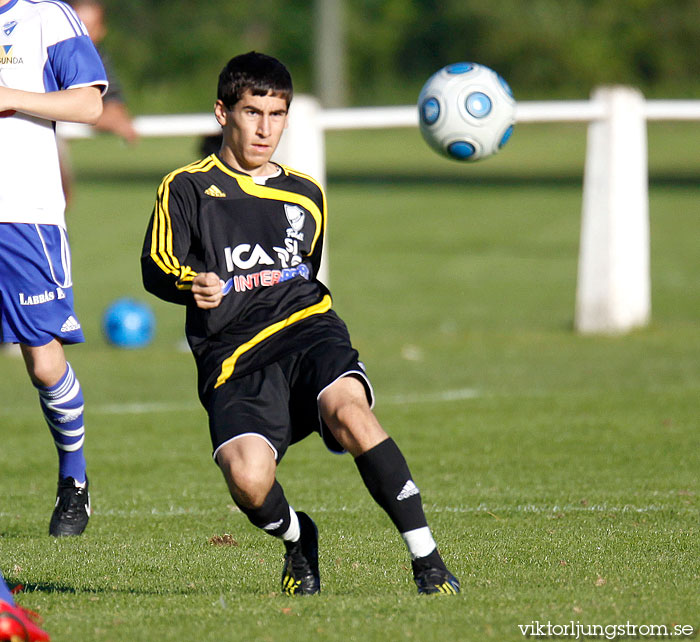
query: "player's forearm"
79, 105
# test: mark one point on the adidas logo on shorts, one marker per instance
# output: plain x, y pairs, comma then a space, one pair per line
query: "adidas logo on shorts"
71, 325
408, 490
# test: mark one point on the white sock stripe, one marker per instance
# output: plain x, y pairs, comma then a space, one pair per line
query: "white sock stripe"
419, 542
70, 448
294, 531
69, 433
54, 401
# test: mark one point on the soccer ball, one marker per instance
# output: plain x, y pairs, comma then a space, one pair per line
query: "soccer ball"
128, 324
466, 111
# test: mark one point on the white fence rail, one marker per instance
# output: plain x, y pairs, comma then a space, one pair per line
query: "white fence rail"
613, 289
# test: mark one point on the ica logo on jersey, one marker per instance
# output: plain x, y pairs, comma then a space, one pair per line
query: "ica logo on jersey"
244, 256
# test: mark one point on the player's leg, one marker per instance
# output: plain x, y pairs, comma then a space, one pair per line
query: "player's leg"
61, 400
14, 621
62, 403
250, 431
383, 468
37, 312
248, 464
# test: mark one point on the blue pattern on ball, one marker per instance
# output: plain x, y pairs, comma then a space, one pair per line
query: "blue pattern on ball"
459, 67
505, 85
128, 324
461, 150
506, 137
478, 104
430, 110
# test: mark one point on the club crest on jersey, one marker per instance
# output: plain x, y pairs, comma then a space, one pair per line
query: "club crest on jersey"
296, 217
9, 27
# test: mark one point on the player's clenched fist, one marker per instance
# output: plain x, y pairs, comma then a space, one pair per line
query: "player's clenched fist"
206, 288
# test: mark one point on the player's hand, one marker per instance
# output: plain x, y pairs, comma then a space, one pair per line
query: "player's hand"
206, 288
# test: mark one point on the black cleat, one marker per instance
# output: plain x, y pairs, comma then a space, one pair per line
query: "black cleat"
72, 510
431, 576
300, 574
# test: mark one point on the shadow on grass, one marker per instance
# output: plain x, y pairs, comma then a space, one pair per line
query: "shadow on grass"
53, 587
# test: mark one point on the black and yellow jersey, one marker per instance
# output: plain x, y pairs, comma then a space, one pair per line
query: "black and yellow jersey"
263, 240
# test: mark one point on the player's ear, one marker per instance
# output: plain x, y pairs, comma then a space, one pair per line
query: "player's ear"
221, 113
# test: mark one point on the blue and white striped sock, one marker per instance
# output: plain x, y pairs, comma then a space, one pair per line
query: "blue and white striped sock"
62, 406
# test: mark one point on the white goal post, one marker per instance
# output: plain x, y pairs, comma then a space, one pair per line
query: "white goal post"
613, 293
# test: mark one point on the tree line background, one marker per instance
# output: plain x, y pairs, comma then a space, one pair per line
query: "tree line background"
168, 53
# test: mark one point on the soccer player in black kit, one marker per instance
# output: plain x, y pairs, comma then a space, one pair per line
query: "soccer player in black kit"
237, 240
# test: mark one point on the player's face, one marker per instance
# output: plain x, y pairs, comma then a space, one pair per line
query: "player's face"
252, 129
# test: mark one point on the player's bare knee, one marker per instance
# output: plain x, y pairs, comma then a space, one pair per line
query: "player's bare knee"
249, 472
248, 487
45, 364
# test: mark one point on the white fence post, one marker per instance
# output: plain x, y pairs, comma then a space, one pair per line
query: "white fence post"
613, 293
303, 148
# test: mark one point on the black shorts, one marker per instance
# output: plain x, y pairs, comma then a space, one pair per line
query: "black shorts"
279, 402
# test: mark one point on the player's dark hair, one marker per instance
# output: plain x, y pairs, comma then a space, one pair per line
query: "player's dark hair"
257, 72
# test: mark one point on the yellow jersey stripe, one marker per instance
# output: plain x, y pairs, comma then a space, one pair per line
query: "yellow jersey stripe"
228, 366
162, 234
249, 186
161, 237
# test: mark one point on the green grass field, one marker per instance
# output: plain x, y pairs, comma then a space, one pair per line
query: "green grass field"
559, 472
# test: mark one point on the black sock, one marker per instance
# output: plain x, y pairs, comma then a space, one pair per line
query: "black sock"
388, 479
429, 561
274, 516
